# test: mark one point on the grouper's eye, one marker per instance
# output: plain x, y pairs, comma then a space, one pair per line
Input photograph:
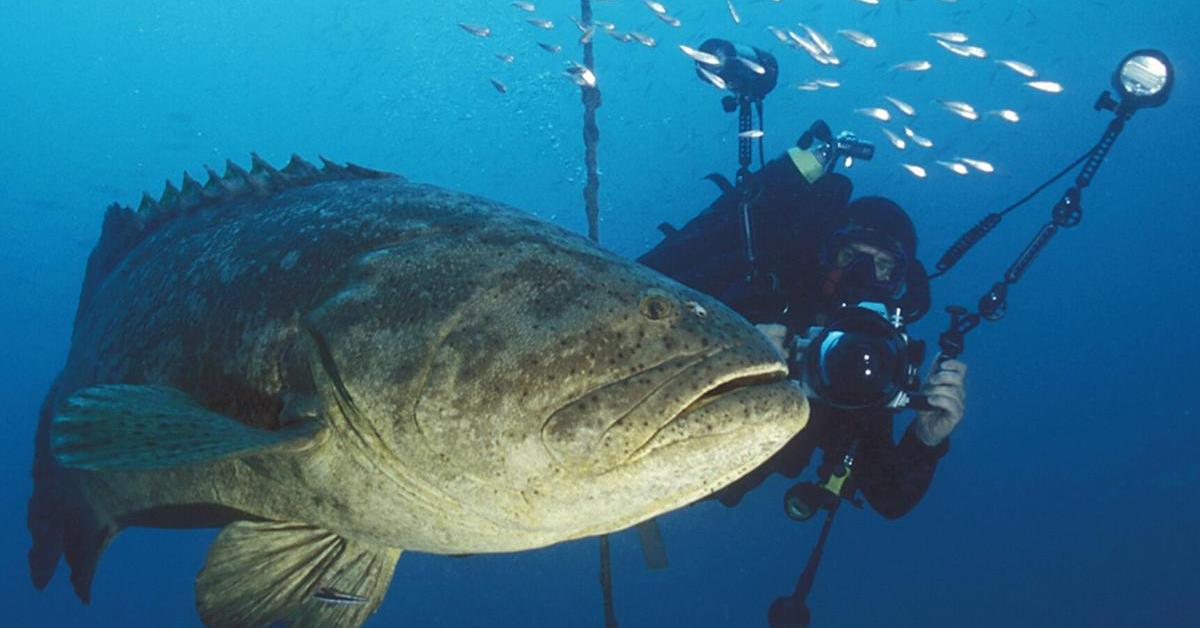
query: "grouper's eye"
657, 307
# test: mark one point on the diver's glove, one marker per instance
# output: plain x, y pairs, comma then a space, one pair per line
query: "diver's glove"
946, 391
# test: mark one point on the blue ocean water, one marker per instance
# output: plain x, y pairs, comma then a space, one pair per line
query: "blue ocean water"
1069, 494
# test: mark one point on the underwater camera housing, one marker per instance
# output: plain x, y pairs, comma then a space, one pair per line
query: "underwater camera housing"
750, 73
864, 359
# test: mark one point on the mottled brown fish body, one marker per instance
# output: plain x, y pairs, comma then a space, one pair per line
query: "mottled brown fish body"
462, 378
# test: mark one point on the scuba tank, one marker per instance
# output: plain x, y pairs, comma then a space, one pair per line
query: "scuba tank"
791, 199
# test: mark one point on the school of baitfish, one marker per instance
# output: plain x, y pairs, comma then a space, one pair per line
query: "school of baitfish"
820, 49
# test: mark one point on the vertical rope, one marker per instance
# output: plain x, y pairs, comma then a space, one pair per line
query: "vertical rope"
591, 190
591, 134
610, 614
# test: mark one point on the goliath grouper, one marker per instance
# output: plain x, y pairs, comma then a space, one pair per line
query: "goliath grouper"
337, 364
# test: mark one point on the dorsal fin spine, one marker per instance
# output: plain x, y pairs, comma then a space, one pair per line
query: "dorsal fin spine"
168, 205
298, 169
330, 168
124, 228
363, 172
261, 169
146, 208
215, 187
191, 195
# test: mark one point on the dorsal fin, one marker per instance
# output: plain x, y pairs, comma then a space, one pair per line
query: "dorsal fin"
124, 228
215, 186
260, 169
190, 193
297, 168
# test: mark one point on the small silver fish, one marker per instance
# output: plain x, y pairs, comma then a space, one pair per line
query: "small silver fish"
830, 83
902, 106
587, 35
555, 48
752, 134
671, 20
700, 56
1024, 69
950, 36
1008, 115
780, 34
818, 39
475, 29
657, 7
808, 86
643, 39
808, 46
540, 23
912, 66
717, 81
581, 75
896, 140
858, 37
507, 58
954, 166
752, 65
619, 36
961, 51
978, 164
737, 19
916, 170
874, 112
1050, 87
500, 87
976, 51
959, 108
528, 7
608, 26
923, 142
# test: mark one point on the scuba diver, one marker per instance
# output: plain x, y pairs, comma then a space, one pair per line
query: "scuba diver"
833, 283
814, 252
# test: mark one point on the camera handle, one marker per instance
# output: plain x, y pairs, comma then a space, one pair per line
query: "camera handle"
745, 108
950, 346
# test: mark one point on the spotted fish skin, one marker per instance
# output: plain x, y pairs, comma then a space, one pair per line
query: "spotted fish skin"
460, 376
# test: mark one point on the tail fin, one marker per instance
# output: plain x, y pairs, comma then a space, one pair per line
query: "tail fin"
60, 520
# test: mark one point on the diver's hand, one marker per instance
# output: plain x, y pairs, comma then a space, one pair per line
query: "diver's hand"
777, 334
947, 393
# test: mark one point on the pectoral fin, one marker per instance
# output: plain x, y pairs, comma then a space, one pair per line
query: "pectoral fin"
262, 572
122, 427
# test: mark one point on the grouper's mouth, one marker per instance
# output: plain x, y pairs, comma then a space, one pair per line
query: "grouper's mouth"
767, 376
618, 423
723, 389
704, 424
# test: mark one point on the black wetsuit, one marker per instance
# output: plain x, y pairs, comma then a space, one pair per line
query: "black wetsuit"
789, 219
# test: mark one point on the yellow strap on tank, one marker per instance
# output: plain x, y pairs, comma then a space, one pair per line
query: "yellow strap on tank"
807, 164
835, 482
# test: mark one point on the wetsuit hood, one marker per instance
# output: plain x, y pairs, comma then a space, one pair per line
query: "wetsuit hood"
883, 222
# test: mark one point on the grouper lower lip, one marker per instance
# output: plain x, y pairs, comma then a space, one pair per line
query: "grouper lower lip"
602, 430
722, 389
